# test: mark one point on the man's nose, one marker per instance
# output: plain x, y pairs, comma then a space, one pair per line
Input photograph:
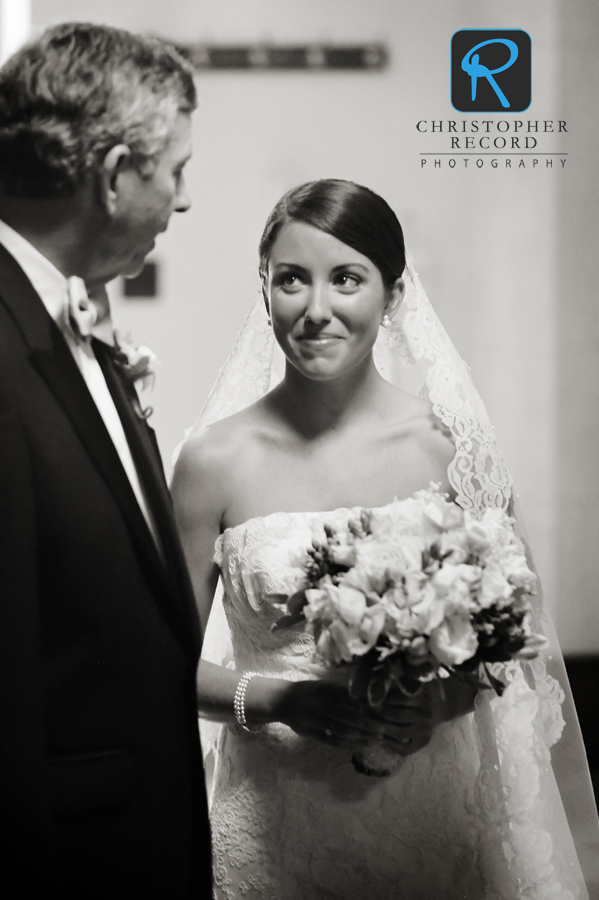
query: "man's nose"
183, 200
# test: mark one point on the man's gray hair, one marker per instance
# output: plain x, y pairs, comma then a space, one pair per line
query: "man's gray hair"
77, 91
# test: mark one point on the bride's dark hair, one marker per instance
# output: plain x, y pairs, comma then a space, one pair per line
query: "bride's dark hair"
350, 212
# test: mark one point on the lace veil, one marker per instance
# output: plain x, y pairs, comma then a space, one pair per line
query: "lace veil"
538, 799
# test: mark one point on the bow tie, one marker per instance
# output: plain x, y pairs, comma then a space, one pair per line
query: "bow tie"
86, 316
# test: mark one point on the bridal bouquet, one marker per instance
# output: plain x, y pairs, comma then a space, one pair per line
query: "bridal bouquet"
416, 590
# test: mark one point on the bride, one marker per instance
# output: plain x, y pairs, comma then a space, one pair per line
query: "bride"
473, 810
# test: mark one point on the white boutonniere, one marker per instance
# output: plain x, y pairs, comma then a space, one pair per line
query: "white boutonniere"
138, 365
88, 316
137, 362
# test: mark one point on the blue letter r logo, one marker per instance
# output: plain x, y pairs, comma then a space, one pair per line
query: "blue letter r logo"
477, 57
472, 65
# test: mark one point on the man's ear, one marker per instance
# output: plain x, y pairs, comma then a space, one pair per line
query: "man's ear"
394, 297
115, 162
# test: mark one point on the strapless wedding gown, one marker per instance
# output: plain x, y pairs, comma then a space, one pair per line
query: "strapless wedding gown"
473, 816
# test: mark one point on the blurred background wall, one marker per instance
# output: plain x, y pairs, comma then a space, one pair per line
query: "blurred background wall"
508, 257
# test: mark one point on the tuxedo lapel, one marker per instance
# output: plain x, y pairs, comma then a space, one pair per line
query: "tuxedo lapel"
53, 360
144, 450
59, 370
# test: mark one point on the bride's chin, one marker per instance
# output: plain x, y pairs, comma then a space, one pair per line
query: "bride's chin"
318, 372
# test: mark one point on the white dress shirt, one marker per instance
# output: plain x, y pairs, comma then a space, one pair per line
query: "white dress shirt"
52, 287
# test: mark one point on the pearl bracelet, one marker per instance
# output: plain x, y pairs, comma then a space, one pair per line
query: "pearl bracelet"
239, 701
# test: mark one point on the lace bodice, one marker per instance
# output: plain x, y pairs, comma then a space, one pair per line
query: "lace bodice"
473, 815
260, 562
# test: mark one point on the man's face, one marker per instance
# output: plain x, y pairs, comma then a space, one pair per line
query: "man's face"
144, 206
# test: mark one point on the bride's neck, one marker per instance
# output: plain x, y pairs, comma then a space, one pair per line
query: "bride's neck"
314, 407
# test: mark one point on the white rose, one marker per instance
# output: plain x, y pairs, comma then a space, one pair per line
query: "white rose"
454, 641
517, 573
428, 613
351, 604
327, 649
495, 527
343, 554
372, 625
454, 543
399, 622
453, 516
403, 517
417, 618
534, 645
446, 516
418, 649
449, 576
396, 597
477, 537
495, 519
341, 636
318, 604
494, 587
413, 586
347, 639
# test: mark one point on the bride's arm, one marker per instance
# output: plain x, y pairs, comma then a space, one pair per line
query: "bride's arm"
199, 504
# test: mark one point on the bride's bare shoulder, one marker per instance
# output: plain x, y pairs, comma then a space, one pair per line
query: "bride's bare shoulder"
202, 478
211, 451
429, 437
417, 413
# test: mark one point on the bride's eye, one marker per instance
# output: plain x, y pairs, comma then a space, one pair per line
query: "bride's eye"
347, 282
289, 281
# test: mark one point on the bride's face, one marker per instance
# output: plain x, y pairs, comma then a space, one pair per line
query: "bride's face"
326, 301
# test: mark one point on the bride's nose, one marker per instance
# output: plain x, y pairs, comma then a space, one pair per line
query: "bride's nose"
318, 307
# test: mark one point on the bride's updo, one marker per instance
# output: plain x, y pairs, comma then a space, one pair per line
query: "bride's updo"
349, 212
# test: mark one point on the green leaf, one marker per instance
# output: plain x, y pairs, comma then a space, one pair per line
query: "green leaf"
497, 685
287, 622
296, 602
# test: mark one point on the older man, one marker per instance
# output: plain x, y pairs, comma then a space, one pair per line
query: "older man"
101, 787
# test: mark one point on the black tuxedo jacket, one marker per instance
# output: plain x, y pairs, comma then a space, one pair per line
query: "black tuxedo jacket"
101, 779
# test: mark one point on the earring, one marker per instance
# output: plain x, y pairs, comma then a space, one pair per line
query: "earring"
386, 323
269, 321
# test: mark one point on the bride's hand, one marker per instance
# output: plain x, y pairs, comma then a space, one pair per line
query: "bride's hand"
324, 711
409, 721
